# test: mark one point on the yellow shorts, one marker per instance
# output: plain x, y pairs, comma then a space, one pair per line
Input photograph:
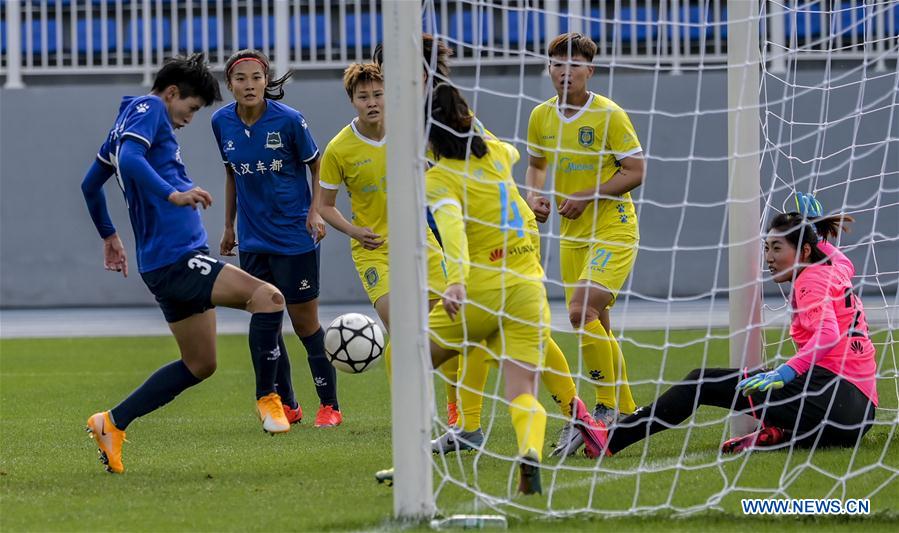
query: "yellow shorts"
604, 263
373, 267
520, 332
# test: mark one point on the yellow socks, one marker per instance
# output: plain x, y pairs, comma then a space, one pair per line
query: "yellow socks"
557, 377
529, 421
387, 363
604, 362
472, 380
597, 352
450, 371
626, 402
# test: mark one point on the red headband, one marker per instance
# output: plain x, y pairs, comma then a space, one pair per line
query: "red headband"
241, 60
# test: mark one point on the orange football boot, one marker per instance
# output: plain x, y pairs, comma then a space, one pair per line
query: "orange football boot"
109, 441
271, 412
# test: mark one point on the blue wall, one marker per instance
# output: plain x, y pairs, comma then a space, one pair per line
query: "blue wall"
50, 254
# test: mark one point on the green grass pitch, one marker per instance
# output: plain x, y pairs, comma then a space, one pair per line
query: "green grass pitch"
203, 463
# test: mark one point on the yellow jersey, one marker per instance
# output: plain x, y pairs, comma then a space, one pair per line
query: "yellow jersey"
360, 164
579, 151
500, 250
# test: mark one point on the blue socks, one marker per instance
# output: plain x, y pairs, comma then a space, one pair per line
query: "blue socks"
265, 330
270, 362
323, 374
159, 389
283, 381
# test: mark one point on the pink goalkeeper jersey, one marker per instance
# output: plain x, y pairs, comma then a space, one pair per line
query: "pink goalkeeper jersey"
829, 325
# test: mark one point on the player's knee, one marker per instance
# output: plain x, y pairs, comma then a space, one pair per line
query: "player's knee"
266, 299
304, 324
440, 355
206, 369
306, 329
579, 316
202, 369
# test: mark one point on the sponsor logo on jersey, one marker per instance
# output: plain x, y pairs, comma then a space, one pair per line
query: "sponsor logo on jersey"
229, 146
273, 140
142, 107
566, 165
857, 347
380, 184
499, 253
275, 165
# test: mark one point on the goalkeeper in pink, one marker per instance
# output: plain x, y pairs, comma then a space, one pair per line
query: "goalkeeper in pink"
826, 394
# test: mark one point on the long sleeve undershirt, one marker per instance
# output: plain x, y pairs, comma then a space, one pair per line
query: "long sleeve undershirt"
133, 164
92, 189
451, 225
825, 338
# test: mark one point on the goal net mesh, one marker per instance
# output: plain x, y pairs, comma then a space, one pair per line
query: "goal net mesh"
827, 120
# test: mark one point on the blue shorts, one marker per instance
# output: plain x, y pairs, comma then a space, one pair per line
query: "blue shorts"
296, 276
184, 288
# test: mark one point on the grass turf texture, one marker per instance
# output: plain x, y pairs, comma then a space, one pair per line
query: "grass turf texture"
203, 463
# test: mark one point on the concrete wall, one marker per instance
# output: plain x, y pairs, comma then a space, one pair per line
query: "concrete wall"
50, 254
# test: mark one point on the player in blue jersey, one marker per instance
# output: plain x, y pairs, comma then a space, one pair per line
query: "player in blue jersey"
266, 147
141, 151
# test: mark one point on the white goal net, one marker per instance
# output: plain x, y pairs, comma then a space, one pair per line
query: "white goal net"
827, 120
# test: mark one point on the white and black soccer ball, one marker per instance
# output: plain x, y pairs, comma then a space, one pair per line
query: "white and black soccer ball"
354, 343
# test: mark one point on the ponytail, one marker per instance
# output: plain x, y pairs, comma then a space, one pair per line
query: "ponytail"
451, 134
831, 226
799, 231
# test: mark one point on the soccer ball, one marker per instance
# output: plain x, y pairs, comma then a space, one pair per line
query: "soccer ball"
354, 343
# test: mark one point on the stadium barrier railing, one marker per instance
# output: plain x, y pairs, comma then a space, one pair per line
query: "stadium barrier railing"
46, 37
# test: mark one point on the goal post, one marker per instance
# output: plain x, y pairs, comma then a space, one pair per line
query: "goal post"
413, 497
743, 202
814, 127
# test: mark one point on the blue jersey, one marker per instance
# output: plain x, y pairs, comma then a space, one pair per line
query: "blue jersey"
163, 232
269, 163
